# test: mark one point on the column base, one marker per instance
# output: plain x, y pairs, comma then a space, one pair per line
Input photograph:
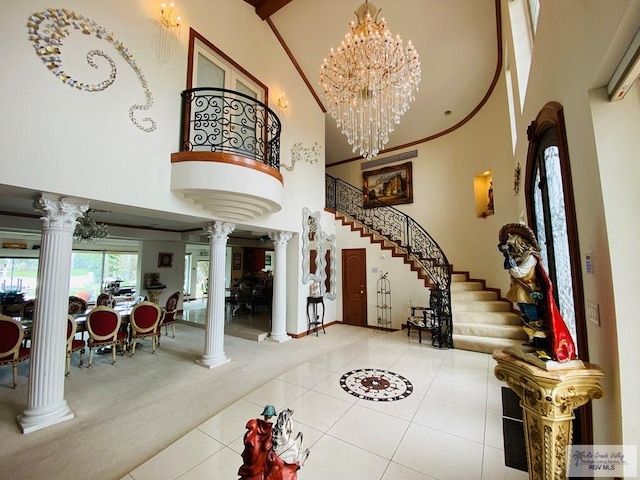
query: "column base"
211, 363
279, 337
31, 421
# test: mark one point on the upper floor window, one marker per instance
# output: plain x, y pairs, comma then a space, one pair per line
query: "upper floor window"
212, 68
534, 11
225, 108
522, 40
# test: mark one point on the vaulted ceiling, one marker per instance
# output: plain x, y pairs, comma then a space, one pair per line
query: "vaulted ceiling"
459, 43
459, 46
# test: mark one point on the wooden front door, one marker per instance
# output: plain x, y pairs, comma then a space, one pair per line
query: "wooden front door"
354, 283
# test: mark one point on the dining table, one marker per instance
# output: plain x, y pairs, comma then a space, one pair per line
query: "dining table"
124, 309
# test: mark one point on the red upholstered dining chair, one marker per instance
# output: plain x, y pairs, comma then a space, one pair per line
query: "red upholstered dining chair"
144, 321
11, 350
170, 310
103, 325
73, 344
77, 305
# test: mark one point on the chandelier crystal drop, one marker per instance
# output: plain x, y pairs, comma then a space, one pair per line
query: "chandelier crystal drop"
88, 230
369, 81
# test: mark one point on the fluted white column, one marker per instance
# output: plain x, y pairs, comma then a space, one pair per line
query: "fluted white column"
47, 405
279, 305
214, 330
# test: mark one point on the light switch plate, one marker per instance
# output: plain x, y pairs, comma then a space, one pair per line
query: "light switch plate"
593, 313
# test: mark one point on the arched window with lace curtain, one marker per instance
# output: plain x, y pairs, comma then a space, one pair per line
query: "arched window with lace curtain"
551, 214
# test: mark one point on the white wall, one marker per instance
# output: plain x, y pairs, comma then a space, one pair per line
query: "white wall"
616, 340
83, 144
443, 190
172, 277
405, 285
570, 52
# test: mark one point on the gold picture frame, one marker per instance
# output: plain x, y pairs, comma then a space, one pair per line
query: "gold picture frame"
388, 186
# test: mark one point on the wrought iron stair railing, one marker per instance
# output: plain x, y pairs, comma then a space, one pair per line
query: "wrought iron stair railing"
412, 239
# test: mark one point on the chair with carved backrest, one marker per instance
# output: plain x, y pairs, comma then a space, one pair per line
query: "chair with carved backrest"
11, 350
105, 300
77, 305
169, 317
144, 320
27, 309
103, 325
73, 344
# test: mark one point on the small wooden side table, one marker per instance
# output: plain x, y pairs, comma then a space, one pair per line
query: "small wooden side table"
313, 318
426, 322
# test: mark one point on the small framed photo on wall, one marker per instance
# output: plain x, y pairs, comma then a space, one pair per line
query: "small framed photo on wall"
165, 260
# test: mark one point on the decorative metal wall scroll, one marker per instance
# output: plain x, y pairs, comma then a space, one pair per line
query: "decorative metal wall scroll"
49, 27
307, 154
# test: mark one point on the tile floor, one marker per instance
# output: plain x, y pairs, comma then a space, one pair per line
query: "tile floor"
449, 427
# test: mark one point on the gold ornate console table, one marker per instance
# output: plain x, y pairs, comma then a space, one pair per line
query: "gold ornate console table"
548, 397
154, 294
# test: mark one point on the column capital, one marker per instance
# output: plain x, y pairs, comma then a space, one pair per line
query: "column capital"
280, 238
59, 212
219, 231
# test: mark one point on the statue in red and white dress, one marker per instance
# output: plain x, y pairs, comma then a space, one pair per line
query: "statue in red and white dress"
531, 289
261, 462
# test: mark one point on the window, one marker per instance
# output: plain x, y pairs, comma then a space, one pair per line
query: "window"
221, 120
186, 287
522, 51
19, 275
533, 7
202, 278
551, 213
91, 272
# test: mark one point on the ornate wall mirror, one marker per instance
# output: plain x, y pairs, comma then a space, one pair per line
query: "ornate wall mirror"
329, 243
311, 240
318, 255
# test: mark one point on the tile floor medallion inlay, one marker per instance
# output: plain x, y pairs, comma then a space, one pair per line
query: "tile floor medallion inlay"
376, 385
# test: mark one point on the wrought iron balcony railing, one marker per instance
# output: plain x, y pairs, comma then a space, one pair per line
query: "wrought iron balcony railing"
224, 121
410, 237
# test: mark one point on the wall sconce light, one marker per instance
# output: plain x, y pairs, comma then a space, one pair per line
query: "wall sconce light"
168, 17
167, 33
282, 103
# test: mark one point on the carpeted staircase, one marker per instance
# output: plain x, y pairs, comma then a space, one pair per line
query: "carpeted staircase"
481, 321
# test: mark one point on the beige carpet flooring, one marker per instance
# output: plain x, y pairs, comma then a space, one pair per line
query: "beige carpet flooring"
128, 412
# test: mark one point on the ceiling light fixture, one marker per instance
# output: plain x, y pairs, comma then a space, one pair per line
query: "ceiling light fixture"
88, 230
369, 81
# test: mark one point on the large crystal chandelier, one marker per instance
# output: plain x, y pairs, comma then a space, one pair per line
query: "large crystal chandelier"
369, 81
88, 230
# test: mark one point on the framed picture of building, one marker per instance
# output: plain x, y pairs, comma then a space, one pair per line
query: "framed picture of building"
387, 186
